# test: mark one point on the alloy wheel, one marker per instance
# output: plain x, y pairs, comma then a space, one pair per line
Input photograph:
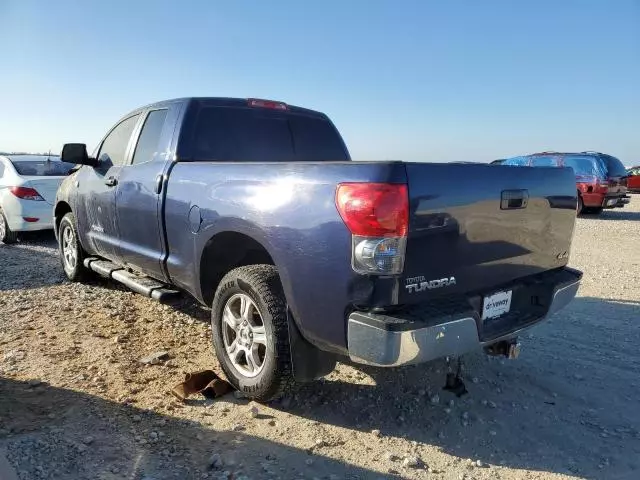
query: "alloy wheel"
244, 335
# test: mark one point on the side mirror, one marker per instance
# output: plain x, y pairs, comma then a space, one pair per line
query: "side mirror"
77, 153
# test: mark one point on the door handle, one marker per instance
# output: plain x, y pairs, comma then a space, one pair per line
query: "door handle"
111, 182
159, 180
514, 199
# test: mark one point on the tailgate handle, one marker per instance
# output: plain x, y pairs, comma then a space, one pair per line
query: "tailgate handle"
514, 199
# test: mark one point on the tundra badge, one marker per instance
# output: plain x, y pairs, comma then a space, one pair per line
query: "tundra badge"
418, 284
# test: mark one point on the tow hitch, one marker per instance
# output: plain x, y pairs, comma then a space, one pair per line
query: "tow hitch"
454, 383
506, 348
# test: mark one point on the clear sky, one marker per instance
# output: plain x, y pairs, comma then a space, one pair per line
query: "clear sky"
411, 80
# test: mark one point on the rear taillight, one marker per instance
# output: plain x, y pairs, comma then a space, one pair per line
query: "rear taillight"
377, 215
26, 193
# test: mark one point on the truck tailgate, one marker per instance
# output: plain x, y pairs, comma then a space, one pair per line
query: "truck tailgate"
475, 227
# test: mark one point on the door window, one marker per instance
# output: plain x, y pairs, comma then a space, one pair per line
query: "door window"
149, 137
544, 161
114, 146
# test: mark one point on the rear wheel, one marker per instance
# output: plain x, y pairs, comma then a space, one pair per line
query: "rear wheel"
580, 205
593, 210
71, 253
250, 332
6, 235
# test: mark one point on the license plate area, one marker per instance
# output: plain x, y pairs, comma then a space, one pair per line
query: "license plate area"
496, 304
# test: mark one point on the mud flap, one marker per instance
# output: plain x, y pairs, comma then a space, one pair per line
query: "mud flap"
308, 362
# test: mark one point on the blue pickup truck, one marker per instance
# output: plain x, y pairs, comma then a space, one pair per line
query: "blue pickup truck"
255, 208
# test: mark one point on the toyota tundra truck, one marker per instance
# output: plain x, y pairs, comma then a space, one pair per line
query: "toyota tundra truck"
255, 208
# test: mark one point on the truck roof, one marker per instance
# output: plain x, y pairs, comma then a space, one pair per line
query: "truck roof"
225, 102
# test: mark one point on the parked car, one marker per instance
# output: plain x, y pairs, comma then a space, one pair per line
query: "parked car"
633, 179
601, 179
28, 185
255, 208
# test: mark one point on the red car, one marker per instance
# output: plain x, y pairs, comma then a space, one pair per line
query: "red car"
601, 180
633, 179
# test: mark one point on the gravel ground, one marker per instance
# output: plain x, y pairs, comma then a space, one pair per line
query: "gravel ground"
76, 403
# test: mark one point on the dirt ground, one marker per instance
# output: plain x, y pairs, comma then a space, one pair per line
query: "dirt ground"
75, 403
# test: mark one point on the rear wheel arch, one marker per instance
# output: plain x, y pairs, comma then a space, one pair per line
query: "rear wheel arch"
224, 252
230, 251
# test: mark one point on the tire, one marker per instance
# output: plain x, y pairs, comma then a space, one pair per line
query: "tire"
271, 357
580, 205
68, 247
6, 235
593, 210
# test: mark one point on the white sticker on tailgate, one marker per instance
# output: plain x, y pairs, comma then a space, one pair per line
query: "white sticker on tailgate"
496, 304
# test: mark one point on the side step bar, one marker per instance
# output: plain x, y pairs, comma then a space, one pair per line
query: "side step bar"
139, 284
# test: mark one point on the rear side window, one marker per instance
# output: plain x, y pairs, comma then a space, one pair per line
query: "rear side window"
316, 140
261, 135
586, 165
615, 168
583, 166
149, 137
114, 146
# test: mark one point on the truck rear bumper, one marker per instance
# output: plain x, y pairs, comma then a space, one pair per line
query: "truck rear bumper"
452, 329
617, 201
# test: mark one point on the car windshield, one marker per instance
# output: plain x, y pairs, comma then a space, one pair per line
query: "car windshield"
42, 168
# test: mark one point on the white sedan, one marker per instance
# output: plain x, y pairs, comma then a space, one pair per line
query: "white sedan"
28, 185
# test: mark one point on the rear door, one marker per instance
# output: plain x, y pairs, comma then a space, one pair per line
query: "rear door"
96, 186
140, 189
484, 225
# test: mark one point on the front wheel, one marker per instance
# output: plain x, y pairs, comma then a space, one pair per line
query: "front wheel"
250, 332
71, 252
6, 235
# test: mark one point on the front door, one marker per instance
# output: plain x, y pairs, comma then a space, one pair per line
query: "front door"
140, 190
96, 186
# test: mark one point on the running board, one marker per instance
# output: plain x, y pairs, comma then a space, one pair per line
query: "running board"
140, 284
